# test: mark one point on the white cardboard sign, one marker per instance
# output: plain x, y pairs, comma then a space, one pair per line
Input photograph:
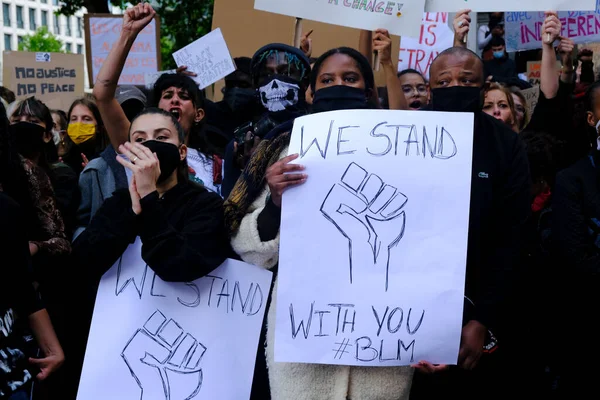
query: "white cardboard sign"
151, 339
373, 246
208, 57
398, 17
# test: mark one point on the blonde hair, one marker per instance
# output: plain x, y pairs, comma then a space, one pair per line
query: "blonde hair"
509, 99
527, 118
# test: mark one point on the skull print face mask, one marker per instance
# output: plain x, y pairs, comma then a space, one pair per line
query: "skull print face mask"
279, 93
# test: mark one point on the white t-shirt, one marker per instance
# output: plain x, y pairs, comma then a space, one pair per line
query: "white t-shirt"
202, 170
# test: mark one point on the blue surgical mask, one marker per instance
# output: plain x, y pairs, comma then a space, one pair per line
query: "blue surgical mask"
498, 54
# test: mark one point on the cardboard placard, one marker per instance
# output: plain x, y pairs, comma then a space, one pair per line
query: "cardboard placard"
56, 79
231, 15
102, 32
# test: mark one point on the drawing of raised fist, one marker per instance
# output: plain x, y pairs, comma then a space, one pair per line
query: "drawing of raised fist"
164, 360
367, 212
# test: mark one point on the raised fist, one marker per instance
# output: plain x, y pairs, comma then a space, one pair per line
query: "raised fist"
162, 346
137, 18
366, 211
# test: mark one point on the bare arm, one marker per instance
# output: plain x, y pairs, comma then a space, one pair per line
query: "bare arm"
365, 44
115, 121
46, 338
549, 76
382, 42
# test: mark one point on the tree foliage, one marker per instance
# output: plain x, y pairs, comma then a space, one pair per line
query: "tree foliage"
41, 41
181, 21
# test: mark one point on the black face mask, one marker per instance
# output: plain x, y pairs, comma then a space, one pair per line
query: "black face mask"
239, 98
456, 99
168, 157
339, 97
29, 138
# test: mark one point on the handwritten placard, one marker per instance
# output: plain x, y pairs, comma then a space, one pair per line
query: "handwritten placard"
102, 32
401, 18
361, 242
151, 339
208, 57
532, 96
524, 29
57, 80
513, 5
418, 53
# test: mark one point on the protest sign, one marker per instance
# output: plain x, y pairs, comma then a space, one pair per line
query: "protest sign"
208, 57
435, 37
150, 339
523, 29
102, 31
402, 18
381, 225
532, 96
534, 72
513, 5
54, 78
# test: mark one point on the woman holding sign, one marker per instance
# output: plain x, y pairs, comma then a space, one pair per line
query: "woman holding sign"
342, 79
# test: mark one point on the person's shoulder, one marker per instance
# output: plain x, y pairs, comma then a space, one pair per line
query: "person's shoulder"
575, 171
198, 194
96, 164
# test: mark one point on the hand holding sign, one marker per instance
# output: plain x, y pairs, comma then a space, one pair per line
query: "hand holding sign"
306, 44
382, 44
280, 177
137, 18
551, 28
461, 24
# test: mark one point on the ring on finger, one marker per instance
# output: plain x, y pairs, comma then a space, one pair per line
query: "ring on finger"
461, 23
135, 159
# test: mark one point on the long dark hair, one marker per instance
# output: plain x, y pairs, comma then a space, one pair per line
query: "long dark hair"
182, 170
101, 140
32, 107
13, 179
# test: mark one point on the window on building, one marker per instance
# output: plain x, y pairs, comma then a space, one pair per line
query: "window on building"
68, 31
6, 13
68, 48
54, 2
7, 42
44, 18
79, 49
19, 40
20, 20
57, 25
32, 23
44, 1
79, 27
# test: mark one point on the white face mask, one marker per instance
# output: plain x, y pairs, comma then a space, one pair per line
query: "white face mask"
278, 95
56, 137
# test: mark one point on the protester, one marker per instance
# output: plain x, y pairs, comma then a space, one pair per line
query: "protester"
341, 80
174, 93
522, 111
496, 220
499, 103
415, 88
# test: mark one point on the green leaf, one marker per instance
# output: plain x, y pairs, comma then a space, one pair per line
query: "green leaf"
41, 41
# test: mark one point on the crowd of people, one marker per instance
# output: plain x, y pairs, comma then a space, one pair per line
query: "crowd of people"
200, 181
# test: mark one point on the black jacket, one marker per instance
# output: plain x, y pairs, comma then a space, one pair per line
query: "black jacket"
183, 234
500, 206
576, 218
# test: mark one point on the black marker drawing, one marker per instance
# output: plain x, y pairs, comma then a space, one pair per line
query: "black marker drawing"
366, 210
124, 278
164, 360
